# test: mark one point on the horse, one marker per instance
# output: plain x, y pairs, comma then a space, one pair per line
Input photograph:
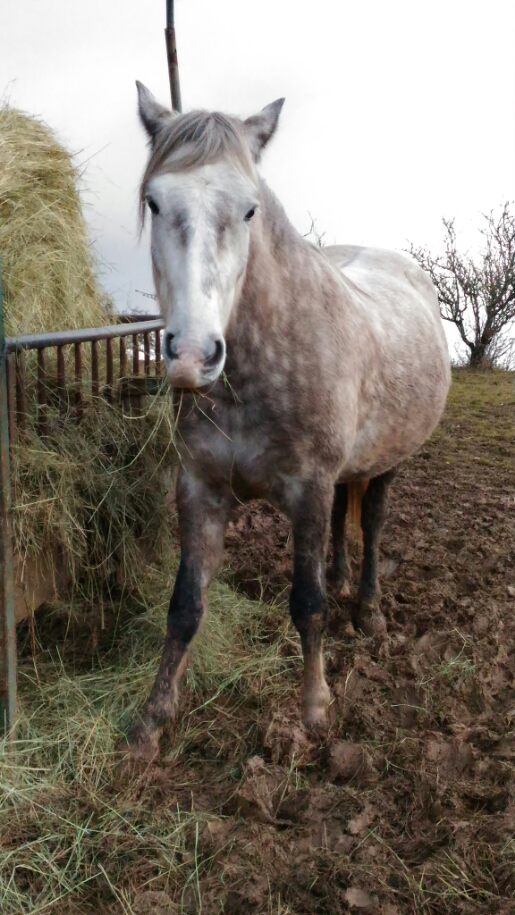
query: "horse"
300, 375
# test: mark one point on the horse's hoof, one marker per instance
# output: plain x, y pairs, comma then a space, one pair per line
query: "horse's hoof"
137, 754
370, 620
314, 715
337, 586
316, 722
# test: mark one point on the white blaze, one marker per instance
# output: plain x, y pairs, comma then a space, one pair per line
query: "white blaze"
199, 245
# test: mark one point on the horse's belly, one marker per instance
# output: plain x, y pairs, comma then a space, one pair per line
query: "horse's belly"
392, 431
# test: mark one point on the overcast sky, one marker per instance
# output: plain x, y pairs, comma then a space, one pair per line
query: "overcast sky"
396, 114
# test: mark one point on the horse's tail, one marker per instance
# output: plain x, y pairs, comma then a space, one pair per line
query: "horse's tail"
355, 493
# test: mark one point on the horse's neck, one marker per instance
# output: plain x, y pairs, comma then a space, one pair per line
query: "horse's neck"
272, 291
275, 247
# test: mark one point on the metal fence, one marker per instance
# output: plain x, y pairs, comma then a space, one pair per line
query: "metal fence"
105, 368
73, 367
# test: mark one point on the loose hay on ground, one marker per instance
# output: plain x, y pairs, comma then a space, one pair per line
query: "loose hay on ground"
73, 838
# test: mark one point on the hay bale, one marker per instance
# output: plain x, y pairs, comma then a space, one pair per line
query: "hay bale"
48, 272
93, 495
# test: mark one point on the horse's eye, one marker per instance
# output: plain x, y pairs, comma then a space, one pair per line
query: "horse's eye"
152, 205
250, 214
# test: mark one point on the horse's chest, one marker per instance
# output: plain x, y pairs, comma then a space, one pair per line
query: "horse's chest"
228, 451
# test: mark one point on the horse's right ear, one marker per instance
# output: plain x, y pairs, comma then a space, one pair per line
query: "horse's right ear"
260, 128
153, 115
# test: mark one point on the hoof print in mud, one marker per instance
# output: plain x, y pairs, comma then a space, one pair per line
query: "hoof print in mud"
347, 761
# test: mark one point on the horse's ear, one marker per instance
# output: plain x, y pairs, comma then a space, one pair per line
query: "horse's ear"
153, 115
261, 127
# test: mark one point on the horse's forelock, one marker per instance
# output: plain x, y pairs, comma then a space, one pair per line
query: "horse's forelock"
194, 139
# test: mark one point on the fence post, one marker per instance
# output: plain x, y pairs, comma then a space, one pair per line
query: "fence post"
7, 618
171, 56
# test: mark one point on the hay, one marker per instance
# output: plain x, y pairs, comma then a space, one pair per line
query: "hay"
47, 264
77, 839
91, 490
94, 491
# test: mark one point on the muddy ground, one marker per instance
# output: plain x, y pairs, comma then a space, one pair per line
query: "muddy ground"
408, 805
415, 784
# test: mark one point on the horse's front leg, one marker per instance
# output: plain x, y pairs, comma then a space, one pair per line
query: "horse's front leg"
203, 515
308, 602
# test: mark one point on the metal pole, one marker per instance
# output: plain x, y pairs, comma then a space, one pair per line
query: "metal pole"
7, 617
171, 54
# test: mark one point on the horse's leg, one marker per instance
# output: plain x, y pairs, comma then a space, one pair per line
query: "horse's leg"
308, 602
339, 572
203, 515
368, 616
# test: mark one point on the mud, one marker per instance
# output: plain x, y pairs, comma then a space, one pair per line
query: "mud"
409, 804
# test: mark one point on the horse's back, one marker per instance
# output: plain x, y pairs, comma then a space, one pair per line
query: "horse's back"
395, 300
373, 269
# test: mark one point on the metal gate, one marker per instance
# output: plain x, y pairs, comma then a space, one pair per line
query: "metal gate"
7, 623
121, 374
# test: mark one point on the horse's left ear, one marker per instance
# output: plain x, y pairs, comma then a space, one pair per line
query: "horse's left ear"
260, 128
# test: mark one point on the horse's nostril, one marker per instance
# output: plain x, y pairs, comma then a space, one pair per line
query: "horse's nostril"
215, 356
169, 349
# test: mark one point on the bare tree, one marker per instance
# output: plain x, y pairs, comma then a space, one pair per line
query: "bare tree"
477, 295
316, 237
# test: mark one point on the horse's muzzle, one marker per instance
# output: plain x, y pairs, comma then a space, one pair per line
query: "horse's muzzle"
190, 365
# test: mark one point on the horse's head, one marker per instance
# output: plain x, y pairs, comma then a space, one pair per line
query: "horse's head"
201, 187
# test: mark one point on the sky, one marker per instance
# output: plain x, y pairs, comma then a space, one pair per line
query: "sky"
396, 113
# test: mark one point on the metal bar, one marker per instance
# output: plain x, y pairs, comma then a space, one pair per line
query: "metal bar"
123, 358
135, 355
60, 368
7, 619
109, 370
41, 393
21, 399
171, 56
94, 368
61, 386
158, 352
11, 398
77, 355
85, 335
123, 371
146, 353
135, 318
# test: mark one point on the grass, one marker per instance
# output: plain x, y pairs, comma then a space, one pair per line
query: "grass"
475, 400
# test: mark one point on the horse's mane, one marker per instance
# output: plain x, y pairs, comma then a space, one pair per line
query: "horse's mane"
193, 139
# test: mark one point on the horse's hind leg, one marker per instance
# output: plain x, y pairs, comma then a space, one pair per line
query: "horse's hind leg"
308, 603
338, 575
203, 516
368, 615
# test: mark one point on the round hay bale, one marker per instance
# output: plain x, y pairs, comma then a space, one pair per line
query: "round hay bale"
47, 264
